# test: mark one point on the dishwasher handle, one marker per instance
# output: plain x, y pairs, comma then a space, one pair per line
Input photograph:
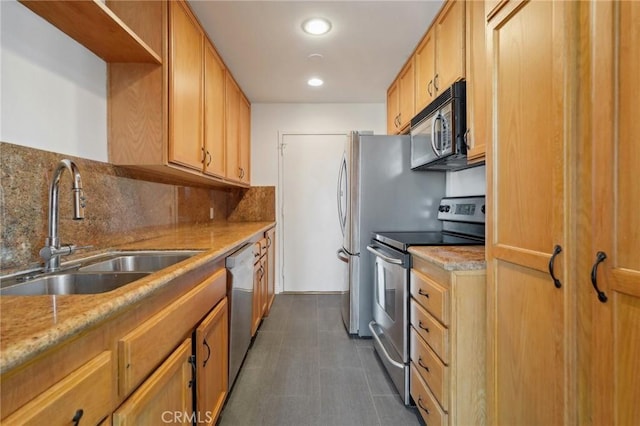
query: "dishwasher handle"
374, 249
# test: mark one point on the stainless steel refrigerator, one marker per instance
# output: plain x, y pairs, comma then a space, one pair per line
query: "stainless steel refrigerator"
377, 191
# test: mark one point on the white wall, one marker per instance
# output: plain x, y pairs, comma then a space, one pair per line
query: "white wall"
269, 119
53, 90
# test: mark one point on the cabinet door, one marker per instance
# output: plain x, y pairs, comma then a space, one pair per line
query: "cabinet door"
393, 108
165, 397
85, 395
530, 334
450, 41
244, 140
615, 219
214, 75
264, 296
232, 128
212, 370
425, 60
407, 90
258, 272
477, 82
185, 87
271, 268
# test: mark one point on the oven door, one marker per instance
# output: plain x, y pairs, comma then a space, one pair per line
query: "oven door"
390, 299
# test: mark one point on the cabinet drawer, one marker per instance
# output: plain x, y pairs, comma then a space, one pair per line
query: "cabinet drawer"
432, 370
144, 348
428, 407
86, 393
435, 334
431, 295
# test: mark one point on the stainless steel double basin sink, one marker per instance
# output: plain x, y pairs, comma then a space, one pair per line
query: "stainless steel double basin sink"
95, 275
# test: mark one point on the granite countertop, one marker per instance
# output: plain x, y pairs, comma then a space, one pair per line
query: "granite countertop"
452, 258
29, 325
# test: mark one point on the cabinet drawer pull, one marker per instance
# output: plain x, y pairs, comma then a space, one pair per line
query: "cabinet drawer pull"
600, 257
76, 418
206, 345
422, 365
422, 293
435, 82
429, 88
556, 251
426, 410
209, 158
422, 326
204, 156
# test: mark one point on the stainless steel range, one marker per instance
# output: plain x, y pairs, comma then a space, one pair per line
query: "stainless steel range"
463, 223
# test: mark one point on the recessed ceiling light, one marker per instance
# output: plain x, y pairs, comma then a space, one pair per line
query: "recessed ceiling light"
316, 26
315, 82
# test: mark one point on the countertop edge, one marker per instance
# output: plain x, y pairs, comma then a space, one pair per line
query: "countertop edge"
28, 348
452, 258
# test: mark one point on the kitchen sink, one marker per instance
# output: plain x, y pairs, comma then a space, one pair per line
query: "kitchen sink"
72, 283
94, 275
139, 262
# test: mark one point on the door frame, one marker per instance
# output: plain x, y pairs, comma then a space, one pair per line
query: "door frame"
280, 196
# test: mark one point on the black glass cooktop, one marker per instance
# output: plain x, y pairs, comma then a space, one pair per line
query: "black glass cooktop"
404, 240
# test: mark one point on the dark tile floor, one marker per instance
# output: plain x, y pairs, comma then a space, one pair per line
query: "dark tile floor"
304, 369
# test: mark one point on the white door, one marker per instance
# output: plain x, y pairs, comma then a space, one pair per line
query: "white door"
311, 230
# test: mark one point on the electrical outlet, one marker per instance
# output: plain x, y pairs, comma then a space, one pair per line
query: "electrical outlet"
211, 213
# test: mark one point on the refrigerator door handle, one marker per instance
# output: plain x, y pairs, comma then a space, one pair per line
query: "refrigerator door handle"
340, 254
341, 175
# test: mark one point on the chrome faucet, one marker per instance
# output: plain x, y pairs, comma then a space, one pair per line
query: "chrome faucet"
52, 249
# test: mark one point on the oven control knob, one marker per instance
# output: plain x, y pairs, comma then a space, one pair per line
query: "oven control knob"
482, 209
447, 208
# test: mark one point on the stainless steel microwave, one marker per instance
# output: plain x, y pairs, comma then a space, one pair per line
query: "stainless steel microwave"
438, 132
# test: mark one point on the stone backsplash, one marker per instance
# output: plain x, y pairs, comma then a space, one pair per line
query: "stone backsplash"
118, 206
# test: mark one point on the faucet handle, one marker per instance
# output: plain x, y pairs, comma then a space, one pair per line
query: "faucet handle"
48, 252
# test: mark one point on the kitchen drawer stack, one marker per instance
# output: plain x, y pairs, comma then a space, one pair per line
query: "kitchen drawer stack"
447, 343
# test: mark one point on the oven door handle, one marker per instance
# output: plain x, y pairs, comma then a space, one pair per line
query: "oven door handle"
387, 259
386, 354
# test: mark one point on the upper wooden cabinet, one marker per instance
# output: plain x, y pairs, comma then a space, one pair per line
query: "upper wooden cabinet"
214, 112
440, 56
244, 142
477, 83
95, 26
401, 98
173, 121
186, 59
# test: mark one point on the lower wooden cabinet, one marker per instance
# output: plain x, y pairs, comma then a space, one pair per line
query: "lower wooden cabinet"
271, 268
165, 397
84, 396
212, 364
448, 329
258, 294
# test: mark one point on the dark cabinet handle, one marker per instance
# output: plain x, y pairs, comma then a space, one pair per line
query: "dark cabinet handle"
268, 241
422, 365
422, 326
204, 156
76, 418
429, 88
556, 251
422, 406
209, 158
435, 82
422, 293
206, 345
600, 257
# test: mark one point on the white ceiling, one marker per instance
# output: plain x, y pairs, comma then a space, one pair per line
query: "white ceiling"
265, 49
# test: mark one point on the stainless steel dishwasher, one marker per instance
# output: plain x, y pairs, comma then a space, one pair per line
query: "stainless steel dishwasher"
240, 267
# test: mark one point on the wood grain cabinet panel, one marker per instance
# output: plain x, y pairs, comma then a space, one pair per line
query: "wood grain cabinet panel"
610, 170
214, 111
431, 368
431, 295
271, 268
427, 404
393, 108
166, 397
435, 334
85, 395
144, 348
186, 87
212, 363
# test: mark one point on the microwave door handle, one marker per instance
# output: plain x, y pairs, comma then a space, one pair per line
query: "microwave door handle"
387, 259
433, 134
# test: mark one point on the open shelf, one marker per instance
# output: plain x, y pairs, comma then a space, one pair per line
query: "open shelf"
96, 27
